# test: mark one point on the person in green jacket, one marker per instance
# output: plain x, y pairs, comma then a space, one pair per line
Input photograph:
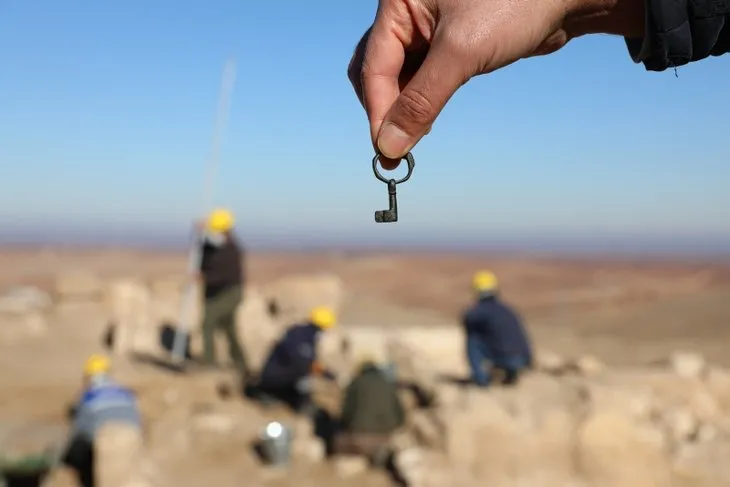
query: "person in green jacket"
371, 412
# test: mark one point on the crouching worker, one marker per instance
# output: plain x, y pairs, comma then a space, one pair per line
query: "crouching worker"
105, 440
371, 412
494, 335
287, 373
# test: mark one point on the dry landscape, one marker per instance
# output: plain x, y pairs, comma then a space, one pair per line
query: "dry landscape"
616, 314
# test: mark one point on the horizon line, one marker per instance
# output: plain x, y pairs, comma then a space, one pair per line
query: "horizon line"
349, 251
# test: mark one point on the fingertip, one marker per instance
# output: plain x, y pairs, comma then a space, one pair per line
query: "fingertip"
388, 164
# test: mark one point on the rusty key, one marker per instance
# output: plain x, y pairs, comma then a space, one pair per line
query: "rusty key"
391, 214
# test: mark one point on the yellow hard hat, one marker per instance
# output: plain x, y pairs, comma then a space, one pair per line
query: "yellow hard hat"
95, 365
484, 281
220, 221
323, 317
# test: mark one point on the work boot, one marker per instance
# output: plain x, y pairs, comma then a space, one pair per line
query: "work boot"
511, 377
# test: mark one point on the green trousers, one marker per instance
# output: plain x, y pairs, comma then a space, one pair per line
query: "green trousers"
220, 315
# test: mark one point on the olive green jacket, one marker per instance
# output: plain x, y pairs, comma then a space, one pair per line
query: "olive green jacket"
371, 404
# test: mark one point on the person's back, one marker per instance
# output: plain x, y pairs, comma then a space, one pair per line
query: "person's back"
221, 265
371, 404
500, 327
292, 356
104, 401
494, 334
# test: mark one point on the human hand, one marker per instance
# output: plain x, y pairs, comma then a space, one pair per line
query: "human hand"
419, 52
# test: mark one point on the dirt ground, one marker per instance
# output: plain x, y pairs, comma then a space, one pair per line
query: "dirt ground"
624, 311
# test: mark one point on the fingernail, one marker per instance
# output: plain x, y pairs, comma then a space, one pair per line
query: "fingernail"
393, 142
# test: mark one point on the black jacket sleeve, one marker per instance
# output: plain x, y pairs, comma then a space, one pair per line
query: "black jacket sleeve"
682, 31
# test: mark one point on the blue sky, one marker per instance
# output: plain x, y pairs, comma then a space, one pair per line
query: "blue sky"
107, 108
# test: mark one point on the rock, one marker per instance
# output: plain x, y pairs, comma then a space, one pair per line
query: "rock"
427, 429
79, 286
413, 368
717, 383
588, 366
17, 327
687, 365
310, 449
411, 466
295, 296
257, 329
24, 299
706, 433
522, 434
703, 464
681, 424
549, 362
632, 402
613, 451
347, 466
130, 305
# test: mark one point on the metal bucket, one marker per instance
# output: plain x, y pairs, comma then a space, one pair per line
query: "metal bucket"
275, 441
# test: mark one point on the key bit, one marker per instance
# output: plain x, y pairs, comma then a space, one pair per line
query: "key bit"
391, 214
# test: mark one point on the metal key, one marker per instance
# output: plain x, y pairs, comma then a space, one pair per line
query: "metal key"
391, 214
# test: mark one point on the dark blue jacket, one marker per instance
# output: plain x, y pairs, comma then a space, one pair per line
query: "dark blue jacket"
292, 357
499, 326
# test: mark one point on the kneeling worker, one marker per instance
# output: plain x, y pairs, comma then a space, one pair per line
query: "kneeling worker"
495, 334
106, 436
371, 412
286, 375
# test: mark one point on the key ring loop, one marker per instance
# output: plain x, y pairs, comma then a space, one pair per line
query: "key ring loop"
410, 161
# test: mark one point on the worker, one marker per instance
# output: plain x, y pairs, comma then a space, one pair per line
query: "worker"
494, 334
371, 412
222, 272
287, 373
104, 419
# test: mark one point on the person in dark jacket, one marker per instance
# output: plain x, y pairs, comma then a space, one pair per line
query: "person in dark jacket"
286, 375
371, 412
222, 272
494, 334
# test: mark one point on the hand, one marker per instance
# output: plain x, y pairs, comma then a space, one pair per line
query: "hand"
419, 52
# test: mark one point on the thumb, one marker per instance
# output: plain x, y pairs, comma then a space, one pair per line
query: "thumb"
421, 101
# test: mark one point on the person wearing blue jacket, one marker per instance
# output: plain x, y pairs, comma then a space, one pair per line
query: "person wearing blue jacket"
286, 375
102, 401
494, 334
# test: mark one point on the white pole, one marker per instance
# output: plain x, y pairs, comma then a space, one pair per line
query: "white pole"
182, 331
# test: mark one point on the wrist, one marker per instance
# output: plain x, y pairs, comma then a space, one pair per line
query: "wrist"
618, 17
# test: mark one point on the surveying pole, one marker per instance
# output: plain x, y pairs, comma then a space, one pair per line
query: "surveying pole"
187, 305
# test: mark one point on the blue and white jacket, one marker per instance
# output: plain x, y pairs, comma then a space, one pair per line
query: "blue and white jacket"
104, 401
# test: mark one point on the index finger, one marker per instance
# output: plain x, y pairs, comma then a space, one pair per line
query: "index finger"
381, 67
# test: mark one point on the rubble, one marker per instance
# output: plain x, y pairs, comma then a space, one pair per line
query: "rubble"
24, 299
687, 364
570, 421
294, 296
